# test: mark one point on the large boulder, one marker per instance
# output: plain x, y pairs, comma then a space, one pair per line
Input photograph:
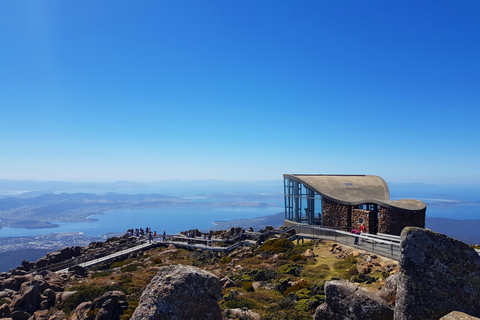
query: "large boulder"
81, 312
438, 275
110, 305
345, 300
181, 292
389, 290
455, 315
240, 314
4, 311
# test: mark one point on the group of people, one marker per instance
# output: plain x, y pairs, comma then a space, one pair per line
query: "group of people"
356, 232
147, 232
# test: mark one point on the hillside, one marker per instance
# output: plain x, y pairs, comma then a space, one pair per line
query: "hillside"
279, 277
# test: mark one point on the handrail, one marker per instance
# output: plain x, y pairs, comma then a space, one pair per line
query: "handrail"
378, 245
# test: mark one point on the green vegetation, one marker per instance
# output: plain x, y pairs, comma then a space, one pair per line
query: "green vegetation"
238, 303
100, 274
297, 286
121, 263
290, 287
127, 314
226, 259
297, 258
130, 268
84, 293
248, 286
292, 268
277, 245
346, 268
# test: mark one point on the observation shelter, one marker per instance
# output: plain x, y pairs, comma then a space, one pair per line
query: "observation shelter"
347, 202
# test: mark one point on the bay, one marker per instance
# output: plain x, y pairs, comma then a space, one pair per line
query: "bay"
170, 219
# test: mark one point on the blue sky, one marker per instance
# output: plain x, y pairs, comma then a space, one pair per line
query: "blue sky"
239, 90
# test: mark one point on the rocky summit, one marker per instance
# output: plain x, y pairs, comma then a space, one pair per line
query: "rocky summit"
274, 279
438, 274
181, 292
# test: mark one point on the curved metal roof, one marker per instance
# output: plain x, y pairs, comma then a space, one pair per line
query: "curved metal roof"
355, 190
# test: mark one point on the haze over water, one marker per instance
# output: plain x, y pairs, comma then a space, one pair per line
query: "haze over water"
445, 202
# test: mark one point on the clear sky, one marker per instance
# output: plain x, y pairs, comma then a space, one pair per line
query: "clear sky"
239, 90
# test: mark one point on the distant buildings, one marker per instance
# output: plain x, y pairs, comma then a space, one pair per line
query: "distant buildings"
348, 201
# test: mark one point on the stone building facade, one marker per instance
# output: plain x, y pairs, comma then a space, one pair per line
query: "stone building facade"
348, 201
381, 220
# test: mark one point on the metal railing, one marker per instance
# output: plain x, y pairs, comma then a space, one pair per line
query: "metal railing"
385, 245
367, 242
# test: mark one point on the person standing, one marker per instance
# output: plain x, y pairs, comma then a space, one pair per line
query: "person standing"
355, 232
362, 230
164, 235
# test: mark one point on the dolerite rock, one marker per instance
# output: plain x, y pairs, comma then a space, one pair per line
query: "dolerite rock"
438, 275
345, 300
389, 290
111, 305
240, 314
4, 311
455, 315
180, 292
81, 312
78, 271
28, 298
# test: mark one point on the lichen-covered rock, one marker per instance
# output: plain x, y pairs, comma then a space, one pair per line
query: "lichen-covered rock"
345, 300
389, 290
81, 312
180, 292
455, 315
240, 314
438, 275
110, 305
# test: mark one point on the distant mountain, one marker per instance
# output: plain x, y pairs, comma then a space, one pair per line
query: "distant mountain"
275, 221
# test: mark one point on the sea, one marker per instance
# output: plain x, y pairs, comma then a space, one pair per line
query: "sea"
171, 219
458, 203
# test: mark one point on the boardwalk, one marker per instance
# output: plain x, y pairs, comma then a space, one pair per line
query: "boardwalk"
384, 245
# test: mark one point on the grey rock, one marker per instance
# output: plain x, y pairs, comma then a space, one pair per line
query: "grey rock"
345, 300
180, 292
81, 311
10, 283
455, 315
240, 314
50, 295
226, 282
78, 271
438, 275
28, 298
4, 311
20, 315
389, 290
111, 305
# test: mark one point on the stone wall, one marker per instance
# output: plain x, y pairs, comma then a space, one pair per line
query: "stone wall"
392, 221
334, 214
359, 213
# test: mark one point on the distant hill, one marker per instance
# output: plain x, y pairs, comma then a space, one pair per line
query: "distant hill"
275, 220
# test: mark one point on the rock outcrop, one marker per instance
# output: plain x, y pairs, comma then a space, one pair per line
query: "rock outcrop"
181, 292
345, 300
240, 314
455, 315
438, 275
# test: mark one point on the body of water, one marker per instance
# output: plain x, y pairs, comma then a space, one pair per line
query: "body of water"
171, 219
